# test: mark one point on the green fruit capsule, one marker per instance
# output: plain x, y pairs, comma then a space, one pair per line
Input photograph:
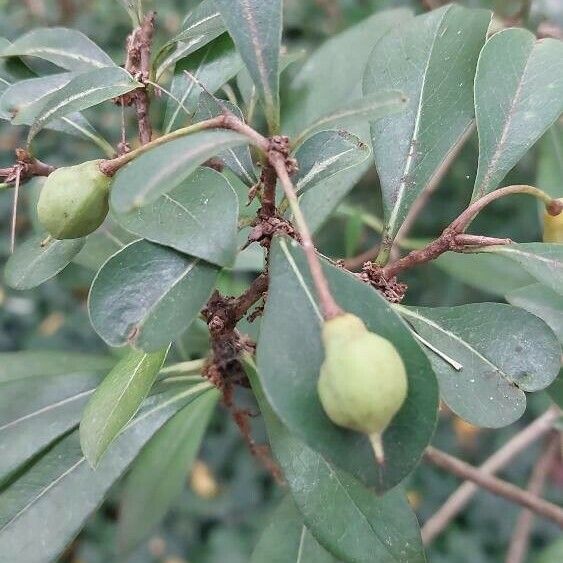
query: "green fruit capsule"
363, 381
74, 200
553, 226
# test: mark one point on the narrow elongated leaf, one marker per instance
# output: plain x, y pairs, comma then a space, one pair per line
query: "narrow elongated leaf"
287, 540
544, 262
62, 478
513, 113
116, 401
44, 363
542, 302
290, 354
256, 29
325, 154
83, 91
32, 416
67, 48
199, 217
432, 59
163, 168
487, 355
147, 295
36, 261
212, 66
159, 474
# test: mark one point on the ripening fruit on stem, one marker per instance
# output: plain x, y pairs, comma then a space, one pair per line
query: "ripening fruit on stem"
74, 200
363, 381
553, 226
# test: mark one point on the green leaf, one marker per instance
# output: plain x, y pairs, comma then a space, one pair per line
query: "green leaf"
116, 401
256, 29
515, 111
486, 355
147, 295
32, 416
287, 540
34, 261
102, 244
325, 154
432, 59
542, 261
44, 363
556, 390
61, 489
542, 302
199, 217
66, 48
212, 66
550, 162
159, 473
553, 553
163, 168
290, 354
83, 91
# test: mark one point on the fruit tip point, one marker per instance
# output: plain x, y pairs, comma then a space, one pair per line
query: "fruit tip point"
377, 445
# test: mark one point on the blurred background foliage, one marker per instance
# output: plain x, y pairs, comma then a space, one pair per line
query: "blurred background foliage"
229, 496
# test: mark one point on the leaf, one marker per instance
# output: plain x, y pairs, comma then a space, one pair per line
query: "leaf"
161, 169
102, 244
432, 59
32, 416
542, 261
159, 473
83, 91
555, 392
550, 162
212, 66
34, 261
238, 159
116, 401
199, 217
290, 354
147, 295
325, 154
61, 489
502, 351
256, 29
286, 539
15, 366
513, 113
66, 48
542, 302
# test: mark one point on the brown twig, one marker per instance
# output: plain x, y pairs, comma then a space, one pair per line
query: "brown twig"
459, 499
495, 485
26, 167
520, 540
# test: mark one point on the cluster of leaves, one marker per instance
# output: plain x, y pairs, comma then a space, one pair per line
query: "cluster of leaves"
175, 227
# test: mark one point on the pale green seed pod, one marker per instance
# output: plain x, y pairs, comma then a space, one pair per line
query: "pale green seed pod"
74, 200
363, 381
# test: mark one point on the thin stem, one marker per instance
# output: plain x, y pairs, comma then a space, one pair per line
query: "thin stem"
495, 485
184, 367
329, 306
15, 210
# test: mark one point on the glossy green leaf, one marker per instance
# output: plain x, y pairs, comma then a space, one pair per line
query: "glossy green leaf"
432, 59
542, 261
486, 355
287, 540
159, 473
212, 66
83, 91
514, 111
147, 295
66, 48
542, 302
238, 159
116, 401
290, 354
34, 261
256, 29
102, 244
325, 154
44, 363
199, 217
61, 489
550, 162
161, 169
32, 416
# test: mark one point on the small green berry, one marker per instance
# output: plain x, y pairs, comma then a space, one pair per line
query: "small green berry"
553, 226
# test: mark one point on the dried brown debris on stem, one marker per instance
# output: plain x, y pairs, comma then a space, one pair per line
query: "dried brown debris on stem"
26, 167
